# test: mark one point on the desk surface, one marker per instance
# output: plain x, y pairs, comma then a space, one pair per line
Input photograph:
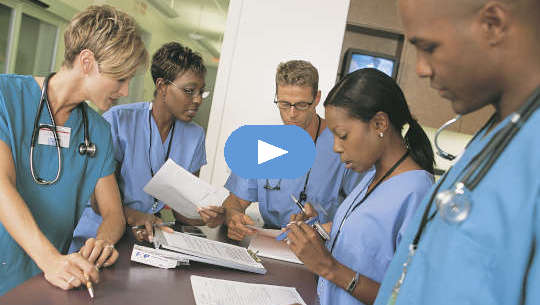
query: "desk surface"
127, 282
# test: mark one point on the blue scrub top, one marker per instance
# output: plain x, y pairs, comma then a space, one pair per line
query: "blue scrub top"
329, 183
492, 257
131, 138
56, 208
371, 233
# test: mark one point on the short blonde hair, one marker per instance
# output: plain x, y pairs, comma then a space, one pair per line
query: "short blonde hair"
111, 35
298, 73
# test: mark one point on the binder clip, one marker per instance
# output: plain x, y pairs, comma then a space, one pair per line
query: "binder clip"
254, 256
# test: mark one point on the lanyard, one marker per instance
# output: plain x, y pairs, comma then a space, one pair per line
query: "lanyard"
303, 196
474, 172
353, 206
154, 206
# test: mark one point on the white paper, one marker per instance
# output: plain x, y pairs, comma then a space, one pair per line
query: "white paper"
264, 243
208, 291
183, 191
208, 248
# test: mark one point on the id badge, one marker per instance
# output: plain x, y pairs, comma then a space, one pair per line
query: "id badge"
46, 136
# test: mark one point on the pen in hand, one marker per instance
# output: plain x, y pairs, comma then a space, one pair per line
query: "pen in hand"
89, 286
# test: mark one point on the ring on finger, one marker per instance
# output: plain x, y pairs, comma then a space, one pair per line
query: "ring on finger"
111, 246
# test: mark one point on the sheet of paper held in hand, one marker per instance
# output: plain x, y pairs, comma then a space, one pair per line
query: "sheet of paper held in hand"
264, 243
209, 291
183, 191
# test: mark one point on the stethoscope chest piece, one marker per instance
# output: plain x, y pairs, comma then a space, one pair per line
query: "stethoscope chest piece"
87, 148
454, 205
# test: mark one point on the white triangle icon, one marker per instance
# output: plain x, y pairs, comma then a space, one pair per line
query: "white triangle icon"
267, 152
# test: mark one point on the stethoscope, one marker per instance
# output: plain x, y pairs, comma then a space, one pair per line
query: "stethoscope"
454, 204
155, 204
86, 148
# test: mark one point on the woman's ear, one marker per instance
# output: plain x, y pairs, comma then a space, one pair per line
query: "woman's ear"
380, 123
87, 61
161, 86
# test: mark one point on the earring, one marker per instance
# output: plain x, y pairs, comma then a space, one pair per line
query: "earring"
381, 135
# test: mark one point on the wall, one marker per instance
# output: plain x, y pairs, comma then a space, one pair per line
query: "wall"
425, 103
259, 35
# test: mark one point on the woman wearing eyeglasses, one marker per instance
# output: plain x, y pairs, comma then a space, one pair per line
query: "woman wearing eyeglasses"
146, 134
47, 176
366, 111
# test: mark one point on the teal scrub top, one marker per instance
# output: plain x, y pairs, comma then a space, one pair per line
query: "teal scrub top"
329, 183
57, 207
493, 256
134, 153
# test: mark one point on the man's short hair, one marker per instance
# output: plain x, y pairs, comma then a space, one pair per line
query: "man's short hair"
111, 35
298, 73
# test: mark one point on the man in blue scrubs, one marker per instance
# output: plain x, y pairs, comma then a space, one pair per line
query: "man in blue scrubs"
478, 53
328, 182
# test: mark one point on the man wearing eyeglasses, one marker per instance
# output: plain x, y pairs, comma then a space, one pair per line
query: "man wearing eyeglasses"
326, 184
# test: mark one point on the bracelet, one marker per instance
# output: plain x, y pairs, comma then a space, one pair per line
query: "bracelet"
352, 283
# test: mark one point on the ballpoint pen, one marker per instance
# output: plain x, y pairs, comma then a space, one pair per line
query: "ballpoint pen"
317, 225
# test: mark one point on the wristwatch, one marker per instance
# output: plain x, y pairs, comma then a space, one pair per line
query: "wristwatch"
352, 283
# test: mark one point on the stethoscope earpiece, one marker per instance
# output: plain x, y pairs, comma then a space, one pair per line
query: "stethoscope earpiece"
440, 151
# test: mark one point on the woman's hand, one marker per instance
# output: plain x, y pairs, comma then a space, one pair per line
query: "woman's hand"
212, 216
69, 271
306, 244
146, 221
310, 212
99, 252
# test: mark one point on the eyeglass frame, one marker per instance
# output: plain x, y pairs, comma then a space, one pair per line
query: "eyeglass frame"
190, 92
295, 105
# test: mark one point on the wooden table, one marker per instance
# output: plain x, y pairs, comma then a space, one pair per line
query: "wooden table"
131, 283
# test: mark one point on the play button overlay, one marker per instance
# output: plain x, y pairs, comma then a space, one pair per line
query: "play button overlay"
269, 151
266, 152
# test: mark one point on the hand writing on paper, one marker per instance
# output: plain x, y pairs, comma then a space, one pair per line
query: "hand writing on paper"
309, 248
68, 271
212, 216
99, 252
236, 222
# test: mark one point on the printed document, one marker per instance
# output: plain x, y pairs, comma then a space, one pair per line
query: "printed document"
183, 191
209, 291
209, 251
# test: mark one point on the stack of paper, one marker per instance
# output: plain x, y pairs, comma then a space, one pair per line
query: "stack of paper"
183, 191
209, 251
208, 291
264, 243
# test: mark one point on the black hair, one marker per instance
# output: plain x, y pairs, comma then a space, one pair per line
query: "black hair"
173, 59
365, 92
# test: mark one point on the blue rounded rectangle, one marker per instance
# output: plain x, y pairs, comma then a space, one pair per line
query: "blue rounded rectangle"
270, 151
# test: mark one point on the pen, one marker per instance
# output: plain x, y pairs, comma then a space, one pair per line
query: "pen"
316, 224
89, 286
300, 206
163, 224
